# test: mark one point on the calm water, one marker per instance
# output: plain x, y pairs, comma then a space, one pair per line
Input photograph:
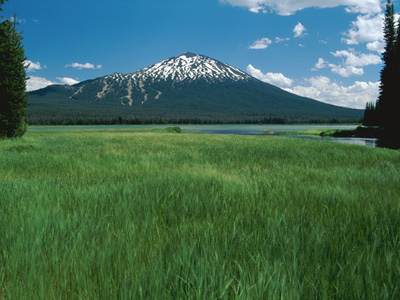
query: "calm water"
261, 129
352, 141
287, 130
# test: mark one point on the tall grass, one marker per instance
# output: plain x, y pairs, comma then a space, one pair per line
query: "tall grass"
176, 216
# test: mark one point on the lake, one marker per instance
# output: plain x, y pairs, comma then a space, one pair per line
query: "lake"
293, 131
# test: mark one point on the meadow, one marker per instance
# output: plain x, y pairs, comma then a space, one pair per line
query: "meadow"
123, 214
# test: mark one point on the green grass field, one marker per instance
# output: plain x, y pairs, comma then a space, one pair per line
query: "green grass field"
137, 215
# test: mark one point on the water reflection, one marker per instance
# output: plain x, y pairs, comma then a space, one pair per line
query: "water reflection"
284, 130
373, 143
290, 131
356, 141
251, 131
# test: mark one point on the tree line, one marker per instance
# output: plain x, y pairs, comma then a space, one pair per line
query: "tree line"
385, 114
177, 121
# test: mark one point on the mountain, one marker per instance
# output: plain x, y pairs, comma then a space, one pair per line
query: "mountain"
188, 87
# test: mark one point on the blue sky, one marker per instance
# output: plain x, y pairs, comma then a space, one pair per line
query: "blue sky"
327, 49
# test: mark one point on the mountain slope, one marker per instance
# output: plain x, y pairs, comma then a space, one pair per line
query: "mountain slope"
188, 87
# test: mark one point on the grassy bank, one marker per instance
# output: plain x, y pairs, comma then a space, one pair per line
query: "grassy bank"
135, 215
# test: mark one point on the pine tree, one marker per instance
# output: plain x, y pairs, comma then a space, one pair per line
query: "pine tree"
13, 104
367, 114
370, 116
388, 83
395, 104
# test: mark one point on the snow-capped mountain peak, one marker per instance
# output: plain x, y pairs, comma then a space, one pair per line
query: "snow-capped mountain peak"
188, 87
190, 66
152, 83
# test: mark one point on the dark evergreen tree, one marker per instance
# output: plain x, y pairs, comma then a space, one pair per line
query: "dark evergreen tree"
388, 81
371, 117
13, 104
367, 115
395, 104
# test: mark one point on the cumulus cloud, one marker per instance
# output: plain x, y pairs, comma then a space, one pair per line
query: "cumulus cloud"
32, 66
346, 71
36, 83
67, 80
265, 42
352, 58
324, 89
320, 64
289, 7
261, 44
84, 66
367, 29
376, 46
277, 79
299, 30
352, 64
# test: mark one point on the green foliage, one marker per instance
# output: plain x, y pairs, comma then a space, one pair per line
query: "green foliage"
12, 82
119, 215
389, 33
388, 106
174, 129
396, 97
371, 115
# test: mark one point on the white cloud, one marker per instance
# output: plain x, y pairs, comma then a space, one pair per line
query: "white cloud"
352, 64
346, 71
261, 44
17, 20
324, 89
84, 66
376, 46
352, 58
67, 80
279, 40
366, 29
289, 7
32, 66
277, 79
36, 83
265, 42
299, 30
321, 64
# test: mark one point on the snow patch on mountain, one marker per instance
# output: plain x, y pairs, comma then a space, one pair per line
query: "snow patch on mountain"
104, 91
185, 67
159, 93
79, 91
129, 95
